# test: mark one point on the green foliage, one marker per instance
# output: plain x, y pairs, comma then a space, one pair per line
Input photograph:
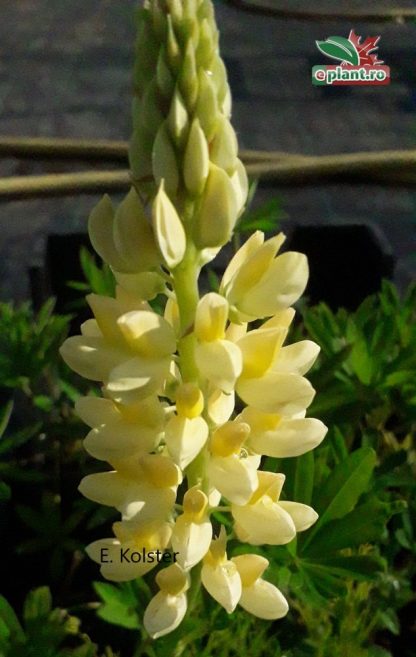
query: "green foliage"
369, 357
266, 218
28, 343
347, 578
122, 604
44, 631
98, 278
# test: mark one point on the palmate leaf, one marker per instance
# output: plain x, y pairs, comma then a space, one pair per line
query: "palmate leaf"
119, 605
339, 48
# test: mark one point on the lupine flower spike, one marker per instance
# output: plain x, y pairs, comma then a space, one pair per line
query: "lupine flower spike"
166, 421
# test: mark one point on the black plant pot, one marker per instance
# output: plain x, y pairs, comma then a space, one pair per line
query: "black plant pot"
347, 262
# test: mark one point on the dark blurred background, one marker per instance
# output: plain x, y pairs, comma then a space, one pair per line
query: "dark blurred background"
65, 71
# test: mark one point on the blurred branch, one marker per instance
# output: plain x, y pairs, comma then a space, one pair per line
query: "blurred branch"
372, 15
49, 148
297, 169
63, 184
383, 167
64, 149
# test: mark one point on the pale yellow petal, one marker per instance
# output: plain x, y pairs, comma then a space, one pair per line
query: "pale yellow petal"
96, 411
251, 567
211, 317
276, 392
264, 600
234, 477
220, 362
296, 358
282, 285
136, 379
290, 438
263, 523
144, 285
243, 254
92, 358
164, 613
302, 515
220, 406
259, 349
223, 583
253, 270
91, 329
185, 438
147, 333
116, 560
191, 540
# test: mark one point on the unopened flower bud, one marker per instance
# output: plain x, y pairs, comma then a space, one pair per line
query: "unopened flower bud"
178, 121
133, 235
164, 161
168, 229
217, 212
196, 162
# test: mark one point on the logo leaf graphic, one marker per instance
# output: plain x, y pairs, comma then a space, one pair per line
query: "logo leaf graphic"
339, 48
365, 49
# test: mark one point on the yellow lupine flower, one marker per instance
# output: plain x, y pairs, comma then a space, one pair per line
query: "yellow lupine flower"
167, 609
231, 470
220, 575
130, 352
218, 359
267, 520
119, 430
271, 380
186, 432
192, 533
259, 597
115, 555
257, 284
141, 489
168, 422
279, 436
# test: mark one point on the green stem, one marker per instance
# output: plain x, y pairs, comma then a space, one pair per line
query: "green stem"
185, 283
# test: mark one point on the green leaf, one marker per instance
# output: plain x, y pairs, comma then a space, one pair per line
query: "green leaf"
341, 491
5, 492
43, 402
10, 619
265, 218
19, 438
377, 651
120, 606
5, 413
365, 524
361, 360
38, 604
321, 583
339, 48
304, 475
361, 567
389, 619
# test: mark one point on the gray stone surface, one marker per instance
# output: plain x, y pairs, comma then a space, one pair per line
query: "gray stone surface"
65, 72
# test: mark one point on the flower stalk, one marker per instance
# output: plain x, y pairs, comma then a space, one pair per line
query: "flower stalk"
167, 421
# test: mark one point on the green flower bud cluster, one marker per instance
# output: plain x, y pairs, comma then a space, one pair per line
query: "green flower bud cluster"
182, 133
